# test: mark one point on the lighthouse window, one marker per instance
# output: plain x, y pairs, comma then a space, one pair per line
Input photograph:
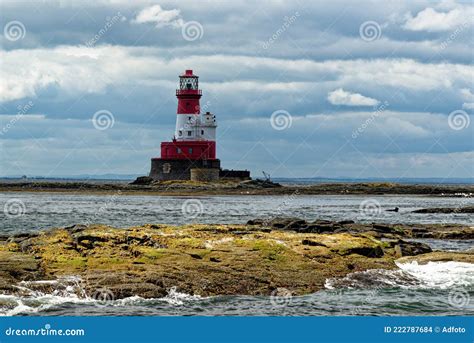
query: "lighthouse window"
180, 132
202, 132
190, 150
189, 133
178, 150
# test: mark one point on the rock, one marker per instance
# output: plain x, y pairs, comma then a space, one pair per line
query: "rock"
16, 267
259, 221
468, 209
439, 256
208, 260
88, 241
20, 237
403, 248
287, 223
76, 228
345, 222
312, 243
142, 180
318, 228
258, 183
383, 228
372, 252
147, 262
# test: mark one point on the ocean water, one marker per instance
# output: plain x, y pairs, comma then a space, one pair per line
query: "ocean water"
46, 210
441, 288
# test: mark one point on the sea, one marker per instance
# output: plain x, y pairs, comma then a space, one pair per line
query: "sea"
433, 289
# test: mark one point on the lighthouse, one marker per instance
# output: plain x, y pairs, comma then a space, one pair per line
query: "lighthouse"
191, 154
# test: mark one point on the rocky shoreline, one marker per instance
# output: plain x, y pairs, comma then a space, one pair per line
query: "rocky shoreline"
253, 259
248, 187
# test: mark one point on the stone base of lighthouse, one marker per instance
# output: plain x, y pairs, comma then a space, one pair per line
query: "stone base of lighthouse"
183, 169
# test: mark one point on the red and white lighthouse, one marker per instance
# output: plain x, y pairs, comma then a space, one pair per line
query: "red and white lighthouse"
192, 152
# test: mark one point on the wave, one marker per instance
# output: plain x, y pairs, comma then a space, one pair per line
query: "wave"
40, 296
432, 275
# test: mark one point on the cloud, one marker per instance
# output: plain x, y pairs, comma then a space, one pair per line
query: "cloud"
341, 97
160, 17
469, 97
433, 21
75, 70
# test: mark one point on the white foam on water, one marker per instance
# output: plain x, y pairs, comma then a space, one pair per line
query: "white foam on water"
177, 298
432, 275
441, 274
69, 290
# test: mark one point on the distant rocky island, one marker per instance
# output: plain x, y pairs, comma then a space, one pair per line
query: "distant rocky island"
145, 185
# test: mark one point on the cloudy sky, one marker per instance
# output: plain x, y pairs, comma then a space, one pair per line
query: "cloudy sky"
330, 89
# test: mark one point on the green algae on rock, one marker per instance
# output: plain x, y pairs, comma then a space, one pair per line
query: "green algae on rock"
202, 259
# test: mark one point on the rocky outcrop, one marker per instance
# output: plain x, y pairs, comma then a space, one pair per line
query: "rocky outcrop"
403, 248
440, 256
227, 187
467, 209
253, 259
142, 180
391, 231
200, 259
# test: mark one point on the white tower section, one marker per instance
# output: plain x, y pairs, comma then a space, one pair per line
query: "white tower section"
194, 127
